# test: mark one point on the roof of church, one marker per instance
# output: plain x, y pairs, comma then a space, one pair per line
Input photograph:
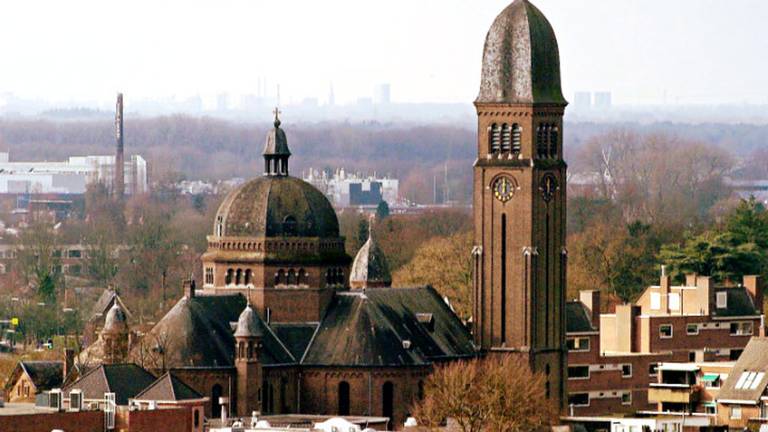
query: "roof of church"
168, 388
382, 327
202, 335
378, 327
104, 303
370, 267
521, 63
276, 206
249, 324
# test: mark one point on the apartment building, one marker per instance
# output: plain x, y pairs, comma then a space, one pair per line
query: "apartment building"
614, 357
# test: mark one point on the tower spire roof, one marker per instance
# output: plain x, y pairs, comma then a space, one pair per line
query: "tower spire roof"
370, 268
276, 152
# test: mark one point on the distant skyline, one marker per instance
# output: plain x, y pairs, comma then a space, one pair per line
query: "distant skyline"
643, 51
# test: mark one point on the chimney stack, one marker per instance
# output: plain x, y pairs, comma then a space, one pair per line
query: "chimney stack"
119, 180
591, 299
69, 362
754, 286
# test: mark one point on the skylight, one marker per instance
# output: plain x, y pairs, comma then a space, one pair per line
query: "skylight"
749, 380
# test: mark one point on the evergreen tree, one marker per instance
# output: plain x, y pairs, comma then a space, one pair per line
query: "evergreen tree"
382, 210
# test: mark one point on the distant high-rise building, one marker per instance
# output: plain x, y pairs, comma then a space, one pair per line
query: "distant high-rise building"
331, 97
582, 101
381, 94
603, 100
118, 183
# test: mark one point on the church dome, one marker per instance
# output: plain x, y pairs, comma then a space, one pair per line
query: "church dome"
370, 268
276, 206
521, 63
116, 321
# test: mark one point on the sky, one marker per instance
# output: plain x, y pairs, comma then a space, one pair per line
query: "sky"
643, 51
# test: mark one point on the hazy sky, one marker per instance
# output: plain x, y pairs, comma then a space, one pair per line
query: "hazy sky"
692, 51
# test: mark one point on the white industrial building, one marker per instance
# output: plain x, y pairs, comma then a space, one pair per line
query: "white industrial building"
71, 176
345, 189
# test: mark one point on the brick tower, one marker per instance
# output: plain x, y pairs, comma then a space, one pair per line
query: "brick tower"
519, 196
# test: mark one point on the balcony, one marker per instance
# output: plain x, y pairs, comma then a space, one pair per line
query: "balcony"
673, 393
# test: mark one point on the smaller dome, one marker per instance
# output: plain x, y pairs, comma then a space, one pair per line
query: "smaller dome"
249, 324
370, 268
116, 321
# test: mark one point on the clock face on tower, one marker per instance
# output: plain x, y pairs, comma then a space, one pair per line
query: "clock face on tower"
504, 188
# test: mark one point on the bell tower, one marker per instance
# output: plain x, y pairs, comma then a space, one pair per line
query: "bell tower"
519, 197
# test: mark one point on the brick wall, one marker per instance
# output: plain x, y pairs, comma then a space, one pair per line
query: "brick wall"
167, 419
88, 421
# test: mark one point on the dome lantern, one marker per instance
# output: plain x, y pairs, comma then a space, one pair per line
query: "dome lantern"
276, 152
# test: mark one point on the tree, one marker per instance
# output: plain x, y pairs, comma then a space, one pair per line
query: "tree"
40, 258
736, 249
382, 210
446, 264
492, 394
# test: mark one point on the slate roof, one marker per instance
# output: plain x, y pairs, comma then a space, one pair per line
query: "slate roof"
104, 303
739, 303
249, 324
296, 337
521, 62
380, 327
276, 143
45, 375
577, 318
753, 359
259, 207
125, 380
168, 388
203, 336
377, 327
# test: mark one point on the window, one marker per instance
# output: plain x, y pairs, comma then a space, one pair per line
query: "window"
289, 226
749, 380
674, 301
343, 398
553, 141
735, 412
578, 399
75, 253
626, 398
578, 372
665, 331
578, 344
653, 369
692, 329
388, 399
516, 133
229, 277
626, 370
655, 301
692, 356
743, 328
209, 276
216, 392
506, 138
75, 270
197, 418
494, 137
734, 354
722, 300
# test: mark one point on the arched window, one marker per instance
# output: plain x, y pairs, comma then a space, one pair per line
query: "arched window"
328, 277
302, 277
494, 135
239, 277
266, 398
216, 393
506, 138
248, 277
283, 395
280, 277
291, 277
541, 144
387, 399
197, 418
516, 134
343, 398
289, 226
229, 277
553, 136
219, 226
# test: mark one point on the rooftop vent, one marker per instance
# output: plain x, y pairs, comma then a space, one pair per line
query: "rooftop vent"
407, 344
427, 320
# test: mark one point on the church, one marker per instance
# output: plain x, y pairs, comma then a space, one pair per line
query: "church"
285, 321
